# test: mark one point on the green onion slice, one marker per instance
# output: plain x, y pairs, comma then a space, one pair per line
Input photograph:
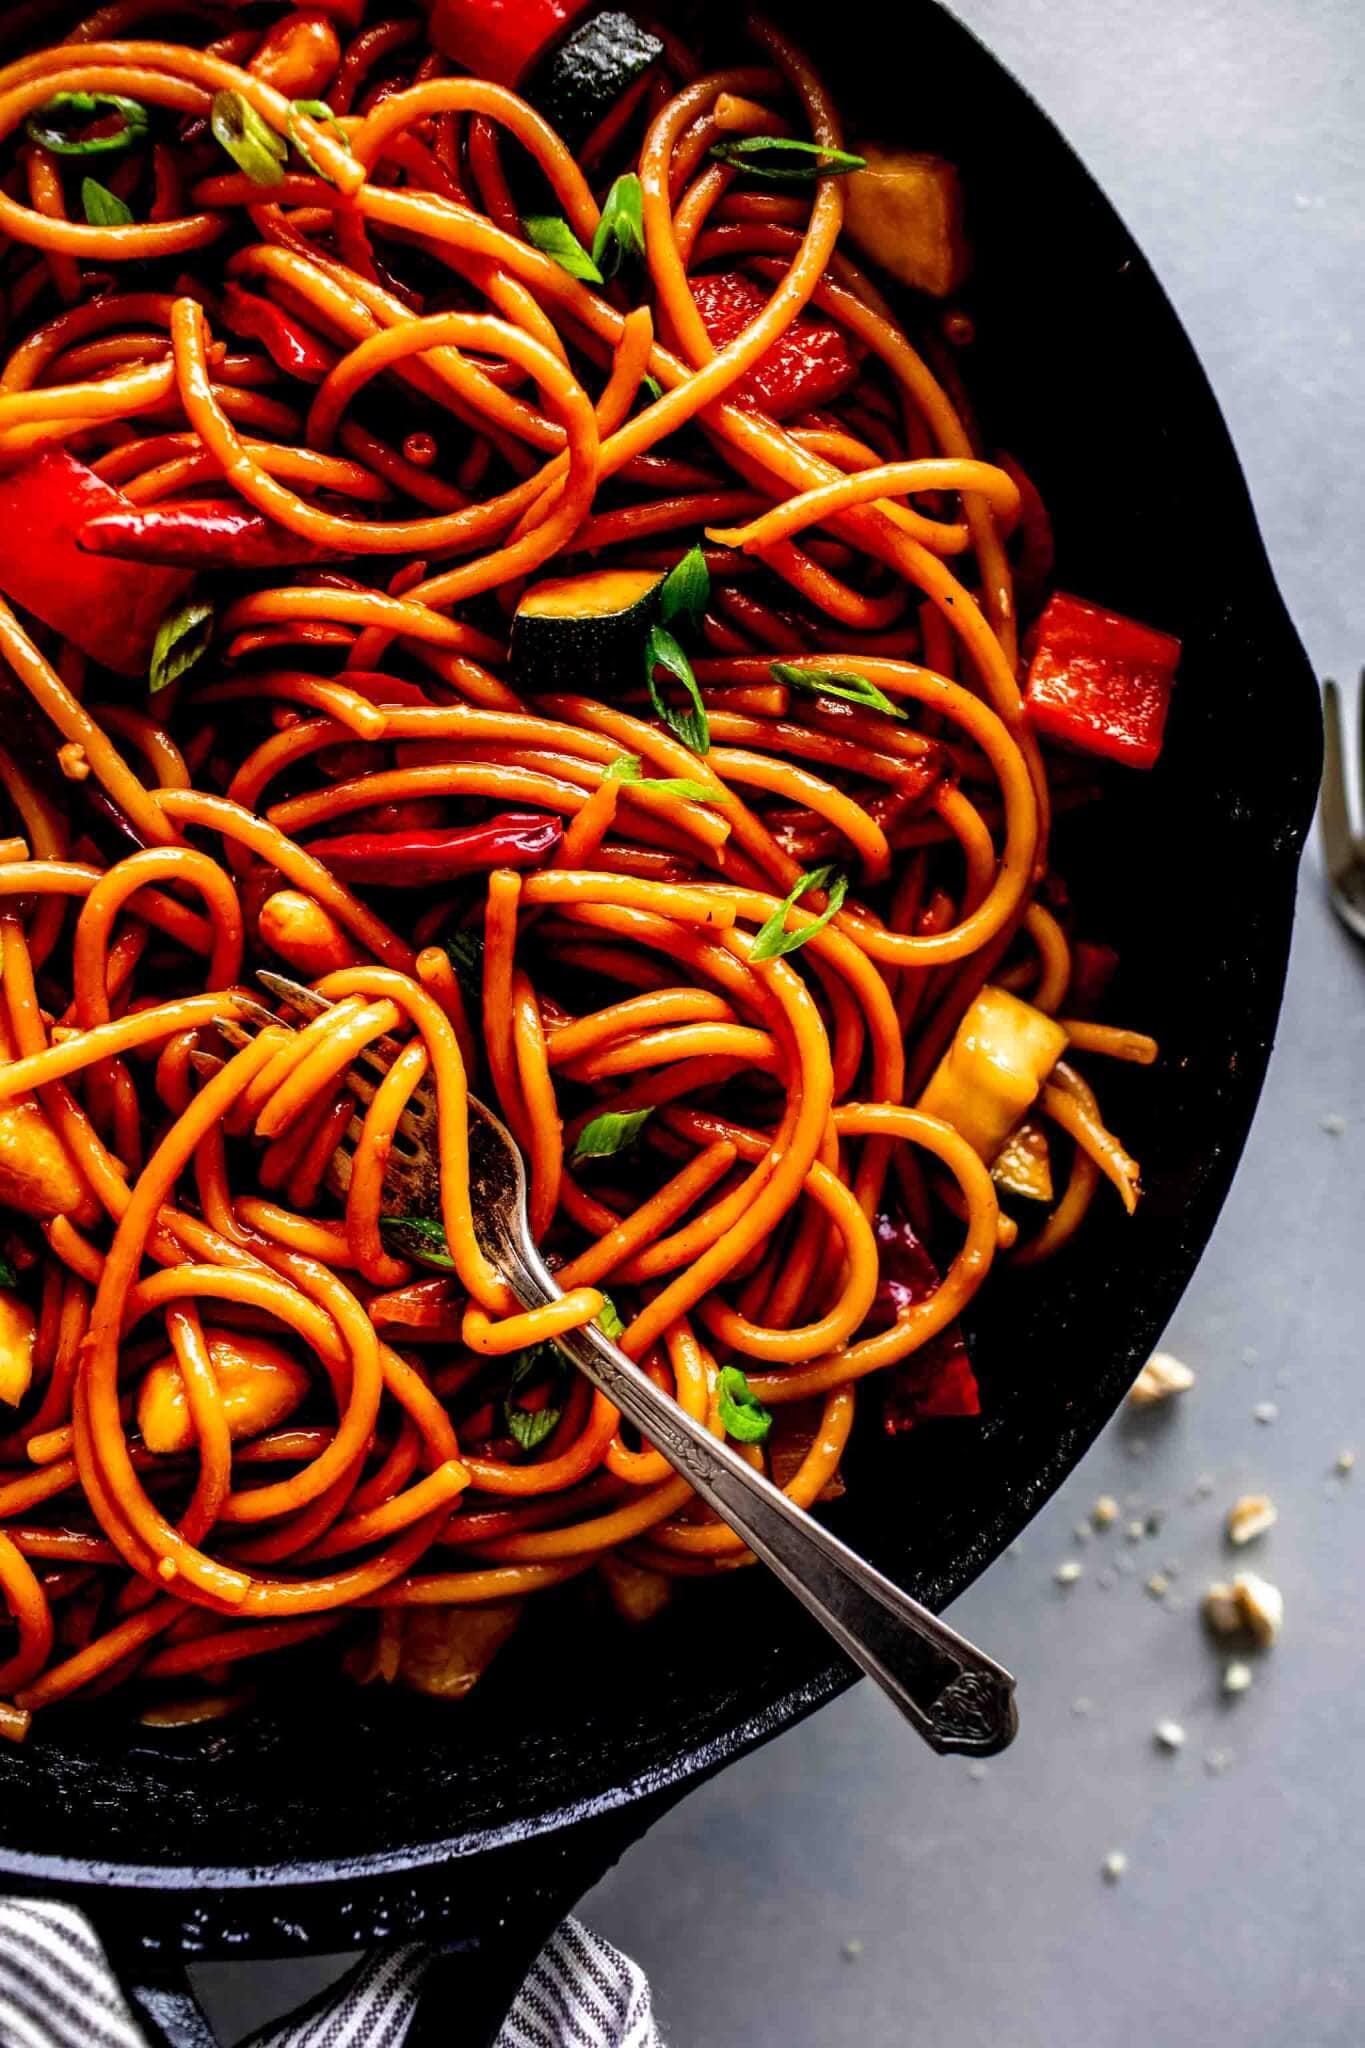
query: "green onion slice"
773, 939
182, 639
554, 237
251, 142
783, 159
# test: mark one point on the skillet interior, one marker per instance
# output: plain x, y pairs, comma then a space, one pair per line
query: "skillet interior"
294, 1829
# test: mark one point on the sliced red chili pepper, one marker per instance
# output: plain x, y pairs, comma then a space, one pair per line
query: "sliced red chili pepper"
411, 859
1100, 681
293, 346
808, 365
937, 1380
109, 614
200, 533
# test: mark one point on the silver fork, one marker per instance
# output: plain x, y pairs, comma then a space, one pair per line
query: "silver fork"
1343, 847
960, 1700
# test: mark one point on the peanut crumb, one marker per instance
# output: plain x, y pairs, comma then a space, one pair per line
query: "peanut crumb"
1163, 1375
1158, 1585
1249, 1517
1106, 1509
1346, 1462
1169, 1735
1114, 1865
1237, 1677
72, 762
1261, 1607
1069, 1571
1222, 1615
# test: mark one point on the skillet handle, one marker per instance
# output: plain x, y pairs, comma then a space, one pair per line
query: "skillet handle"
169, 2013
478, 1980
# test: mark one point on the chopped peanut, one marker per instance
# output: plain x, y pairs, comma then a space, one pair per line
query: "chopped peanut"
260, 1384
1250, 1516
1222, 1614
1261, 1607
1162, 1376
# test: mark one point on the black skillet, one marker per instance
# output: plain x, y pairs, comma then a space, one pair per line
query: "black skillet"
376, 1817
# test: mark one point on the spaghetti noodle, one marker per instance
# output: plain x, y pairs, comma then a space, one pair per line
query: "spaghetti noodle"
549, 600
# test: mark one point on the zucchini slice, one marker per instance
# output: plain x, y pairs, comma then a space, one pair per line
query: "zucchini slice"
585, 632
580, 81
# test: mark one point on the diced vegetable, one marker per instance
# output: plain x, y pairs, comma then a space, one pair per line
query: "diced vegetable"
443, 1651
292, 345
414, 858
110, 613
427, 1311
810, 364
261, 1385
498, 39
1023, 1165
303, 933
585, 632
1100, 681
578, 84
637, 1593
299, 55
989, 1078
17, 1332
36, 1174
200, 533
937, 1380
904, 210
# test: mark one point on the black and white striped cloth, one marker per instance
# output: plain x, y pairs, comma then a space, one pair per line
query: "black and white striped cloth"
58, 1991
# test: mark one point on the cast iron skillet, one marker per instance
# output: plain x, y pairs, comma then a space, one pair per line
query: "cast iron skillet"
477, 1826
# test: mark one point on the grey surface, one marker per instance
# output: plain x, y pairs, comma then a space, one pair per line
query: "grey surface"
1229, 133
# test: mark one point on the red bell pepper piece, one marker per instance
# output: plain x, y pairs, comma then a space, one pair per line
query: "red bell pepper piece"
427, 1311
107, 610
292, 345
200, 533
937, 1380
498, 38
1100, 682
414, 858
807, 366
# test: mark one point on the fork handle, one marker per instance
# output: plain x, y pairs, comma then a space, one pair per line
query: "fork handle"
960, 1700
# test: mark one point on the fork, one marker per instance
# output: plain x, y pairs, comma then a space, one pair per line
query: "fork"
960, 1700
1343, 848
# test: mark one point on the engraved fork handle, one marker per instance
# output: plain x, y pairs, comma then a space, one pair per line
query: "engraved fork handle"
960, 1700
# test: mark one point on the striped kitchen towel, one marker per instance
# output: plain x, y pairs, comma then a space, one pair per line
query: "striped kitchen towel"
58, 1991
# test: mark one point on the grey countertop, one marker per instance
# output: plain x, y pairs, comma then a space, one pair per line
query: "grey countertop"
842, 1885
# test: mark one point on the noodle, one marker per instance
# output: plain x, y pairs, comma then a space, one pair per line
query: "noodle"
708, 870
